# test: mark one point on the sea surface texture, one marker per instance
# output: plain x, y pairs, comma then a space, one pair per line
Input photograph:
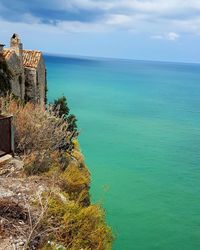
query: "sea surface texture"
140, 135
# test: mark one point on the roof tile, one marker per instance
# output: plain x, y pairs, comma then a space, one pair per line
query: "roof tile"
31, 58
7, 53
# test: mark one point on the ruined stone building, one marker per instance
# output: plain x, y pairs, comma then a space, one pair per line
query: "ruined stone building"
22, 72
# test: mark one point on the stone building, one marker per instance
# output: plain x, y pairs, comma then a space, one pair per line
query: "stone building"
23, 72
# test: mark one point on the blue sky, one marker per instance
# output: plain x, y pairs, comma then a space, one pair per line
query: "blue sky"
165, 30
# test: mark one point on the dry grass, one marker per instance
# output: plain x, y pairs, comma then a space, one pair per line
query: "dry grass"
75, 181
64, 217
36, 129
77, 227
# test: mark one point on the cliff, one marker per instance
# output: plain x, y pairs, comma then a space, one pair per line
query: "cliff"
44, 191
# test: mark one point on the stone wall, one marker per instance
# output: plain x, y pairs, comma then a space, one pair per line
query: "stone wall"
17, 79
41, 81
30, 85
35, 81
27, 83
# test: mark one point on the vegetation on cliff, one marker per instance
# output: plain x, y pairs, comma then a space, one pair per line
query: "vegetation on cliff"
61, 215
5, 76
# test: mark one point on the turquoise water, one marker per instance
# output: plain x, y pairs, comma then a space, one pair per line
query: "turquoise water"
140, 134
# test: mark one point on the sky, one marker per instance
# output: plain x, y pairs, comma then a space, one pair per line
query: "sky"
163, 30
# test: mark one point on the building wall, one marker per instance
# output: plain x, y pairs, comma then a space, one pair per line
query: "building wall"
30, 84
41, 81
27, 83
17, 80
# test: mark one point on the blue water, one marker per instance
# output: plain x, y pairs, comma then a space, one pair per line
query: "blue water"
140, 134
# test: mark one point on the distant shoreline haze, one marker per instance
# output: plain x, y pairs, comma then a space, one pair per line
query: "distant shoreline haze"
115, 58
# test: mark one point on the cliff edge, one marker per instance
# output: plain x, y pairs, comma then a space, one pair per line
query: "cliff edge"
44, 189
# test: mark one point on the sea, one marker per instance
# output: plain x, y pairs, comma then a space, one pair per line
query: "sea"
139, 125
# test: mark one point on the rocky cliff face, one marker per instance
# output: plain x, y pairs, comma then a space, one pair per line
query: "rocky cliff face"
22, 211
50, 211
44, 192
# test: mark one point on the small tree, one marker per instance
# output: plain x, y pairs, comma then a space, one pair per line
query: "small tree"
72, 125
61, 106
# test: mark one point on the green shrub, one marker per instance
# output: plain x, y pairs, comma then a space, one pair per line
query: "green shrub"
75, 181
61, 107
77, 227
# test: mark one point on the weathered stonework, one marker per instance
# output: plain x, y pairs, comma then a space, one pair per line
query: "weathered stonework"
17, 80
26, 69
30, 85
41, 80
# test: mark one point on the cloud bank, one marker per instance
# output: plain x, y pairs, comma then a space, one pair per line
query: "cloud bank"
160, 19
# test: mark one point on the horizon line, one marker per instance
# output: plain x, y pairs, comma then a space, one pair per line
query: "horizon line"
114, 58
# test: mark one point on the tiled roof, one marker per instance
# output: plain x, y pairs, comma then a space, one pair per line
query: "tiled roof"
31, 58
7, 53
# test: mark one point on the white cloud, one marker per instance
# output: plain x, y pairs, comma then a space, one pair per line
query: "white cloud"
142, 16
139, 5
171, 36
158, 19
28, 18
89, 4
80, 27
118, 19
